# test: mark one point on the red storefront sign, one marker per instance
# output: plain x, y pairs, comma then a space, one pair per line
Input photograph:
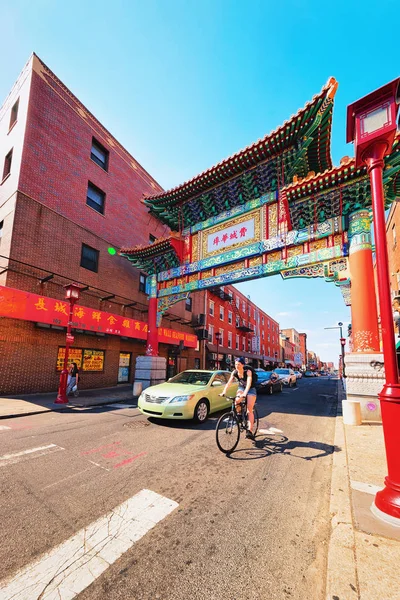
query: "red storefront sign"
17, 304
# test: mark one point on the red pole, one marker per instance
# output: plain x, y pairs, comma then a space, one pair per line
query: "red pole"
152, 332
387, 501
62, 390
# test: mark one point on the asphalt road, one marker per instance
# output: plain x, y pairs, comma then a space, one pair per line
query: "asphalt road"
253, 525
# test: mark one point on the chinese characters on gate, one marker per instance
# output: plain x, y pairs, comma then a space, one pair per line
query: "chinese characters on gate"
229, 236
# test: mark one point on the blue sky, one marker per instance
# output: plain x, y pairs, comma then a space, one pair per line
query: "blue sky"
183, 84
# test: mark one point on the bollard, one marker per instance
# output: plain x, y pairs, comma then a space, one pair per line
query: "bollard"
351, 412
137, 388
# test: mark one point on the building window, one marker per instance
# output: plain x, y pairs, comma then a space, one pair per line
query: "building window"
99, 154
262, 320
95, 198
269, 324
7, 165
244, 343
263, 350
229, 339
221, 337
211, 310
90, 258
237, 302
14, 114
249, 311
229, 317
268, 338
248, 346
237, 342
237, 321
262, 334
221, 313
152, 239
142, 282
269, 351
244, 307
188, 304
394, 235
211, 334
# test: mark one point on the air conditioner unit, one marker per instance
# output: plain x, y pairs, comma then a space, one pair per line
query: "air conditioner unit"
202, 334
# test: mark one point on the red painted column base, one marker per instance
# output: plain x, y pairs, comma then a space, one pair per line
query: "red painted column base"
388, 500
62, 390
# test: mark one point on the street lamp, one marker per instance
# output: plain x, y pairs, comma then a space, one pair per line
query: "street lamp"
371, 124
72, 292
342, 342
218, 338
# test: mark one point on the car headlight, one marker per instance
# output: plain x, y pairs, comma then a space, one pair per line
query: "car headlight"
142, 397
178, 399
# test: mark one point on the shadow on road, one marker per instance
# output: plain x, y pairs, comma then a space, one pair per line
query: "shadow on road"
265, 446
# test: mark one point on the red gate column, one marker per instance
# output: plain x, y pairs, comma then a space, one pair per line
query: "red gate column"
152, 332
364, 315
363, 380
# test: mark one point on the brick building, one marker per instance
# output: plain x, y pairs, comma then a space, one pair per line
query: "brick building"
244, 329
303, 348
294, 338
69, 192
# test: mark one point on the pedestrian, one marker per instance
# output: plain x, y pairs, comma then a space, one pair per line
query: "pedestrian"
73, 379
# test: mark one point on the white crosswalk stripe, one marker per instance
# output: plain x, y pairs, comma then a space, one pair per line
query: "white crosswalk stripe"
71, 567
16, 457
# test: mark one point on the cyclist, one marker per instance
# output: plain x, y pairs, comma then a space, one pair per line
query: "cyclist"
244, 375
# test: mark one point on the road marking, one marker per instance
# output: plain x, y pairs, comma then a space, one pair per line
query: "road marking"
4, 427
365, 487
10, 459
129, 460
270, 431
71, 567
93, 450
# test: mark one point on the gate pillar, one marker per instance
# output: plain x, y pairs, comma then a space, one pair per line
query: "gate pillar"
365, 375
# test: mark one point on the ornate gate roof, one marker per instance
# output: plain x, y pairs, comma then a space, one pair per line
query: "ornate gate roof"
300, 145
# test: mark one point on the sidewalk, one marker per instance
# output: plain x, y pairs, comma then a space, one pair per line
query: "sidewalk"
364, 553
32, 404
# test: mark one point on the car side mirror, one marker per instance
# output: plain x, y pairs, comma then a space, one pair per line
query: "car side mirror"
214, 383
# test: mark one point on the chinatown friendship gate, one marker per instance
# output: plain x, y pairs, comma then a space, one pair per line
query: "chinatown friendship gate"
278, 206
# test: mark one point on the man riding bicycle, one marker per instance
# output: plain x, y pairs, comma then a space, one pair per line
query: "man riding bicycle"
244, 375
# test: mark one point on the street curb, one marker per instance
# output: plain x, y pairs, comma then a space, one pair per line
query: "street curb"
64, 407
341, 575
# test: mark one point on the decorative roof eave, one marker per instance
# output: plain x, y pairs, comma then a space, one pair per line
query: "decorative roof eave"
343, 174
271, 145
162, 246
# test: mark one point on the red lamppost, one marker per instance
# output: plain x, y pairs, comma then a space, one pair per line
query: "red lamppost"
72, 292
218, 338
371, 123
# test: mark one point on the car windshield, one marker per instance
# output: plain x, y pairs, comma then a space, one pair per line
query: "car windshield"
282, 371
192, 377
264, 375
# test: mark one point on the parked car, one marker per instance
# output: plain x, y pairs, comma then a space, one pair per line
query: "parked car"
192, 394
298, 374
308, 374
287, 376
268, 382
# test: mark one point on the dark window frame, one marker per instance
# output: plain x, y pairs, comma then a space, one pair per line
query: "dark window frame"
142, 284
188, 304
7, 164
85, 261
101, 149
14, 114
91, 203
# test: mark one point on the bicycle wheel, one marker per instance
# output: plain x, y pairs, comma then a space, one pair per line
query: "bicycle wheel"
227, 432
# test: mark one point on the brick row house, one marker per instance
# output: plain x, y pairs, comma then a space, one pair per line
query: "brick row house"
242, 327
70, 195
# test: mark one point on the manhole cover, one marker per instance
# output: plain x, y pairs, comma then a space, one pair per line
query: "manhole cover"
137, 424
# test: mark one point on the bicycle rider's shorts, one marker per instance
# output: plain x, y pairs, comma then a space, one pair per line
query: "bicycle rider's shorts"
252, 391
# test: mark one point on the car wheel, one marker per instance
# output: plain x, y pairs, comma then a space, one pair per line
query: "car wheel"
201, 411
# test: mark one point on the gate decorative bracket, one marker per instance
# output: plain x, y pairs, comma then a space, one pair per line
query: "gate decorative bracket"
167, 301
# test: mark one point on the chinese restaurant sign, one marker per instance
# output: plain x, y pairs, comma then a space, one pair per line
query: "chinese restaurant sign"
87, 360
17, 304
231, 235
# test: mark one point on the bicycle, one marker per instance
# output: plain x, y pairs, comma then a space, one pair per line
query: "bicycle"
231, 423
